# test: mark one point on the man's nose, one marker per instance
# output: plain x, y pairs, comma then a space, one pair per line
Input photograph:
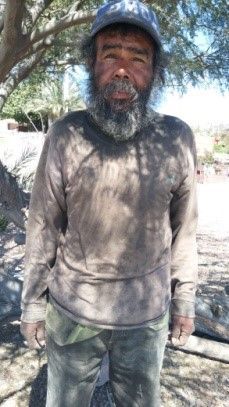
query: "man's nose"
121, 73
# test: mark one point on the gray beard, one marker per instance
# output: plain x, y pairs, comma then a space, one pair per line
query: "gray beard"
117, 119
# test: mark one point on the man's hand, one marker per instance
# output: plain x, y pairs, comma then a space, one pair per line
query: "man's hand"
34, 333
182, 328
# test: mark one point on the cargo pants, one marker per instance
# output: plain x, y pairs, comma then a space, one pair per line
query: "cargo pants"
135, 357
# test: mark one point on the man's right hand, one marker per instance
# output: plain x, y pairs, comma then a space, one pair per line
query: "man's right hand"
34, 333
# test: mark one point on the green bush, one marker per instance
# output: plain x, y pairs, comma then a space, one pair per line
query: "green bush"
221, 148
206, 159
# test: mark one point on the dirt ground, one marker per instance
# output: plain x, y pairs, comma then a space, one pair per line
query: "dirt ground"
187, 380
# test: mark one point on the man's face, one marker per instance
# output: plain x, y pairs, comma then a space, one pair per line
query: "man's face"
127, 58
121, 82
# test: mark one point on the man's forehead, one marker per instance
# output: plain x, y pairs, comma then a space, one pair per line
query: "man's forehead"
131, 40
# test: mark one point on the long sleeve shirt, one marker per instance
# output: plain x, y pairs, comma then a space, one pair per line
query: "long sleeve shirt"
111, 236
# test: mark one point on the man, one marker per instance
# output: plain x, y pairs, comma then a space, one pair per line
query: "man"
112, 224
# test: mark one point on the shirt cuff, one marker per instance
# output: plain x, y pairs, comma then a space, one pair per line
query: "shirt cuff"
33, 312
183, 308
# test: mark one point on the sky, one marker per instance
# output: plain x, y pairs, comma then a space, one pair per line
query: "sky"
204, 107
199, 107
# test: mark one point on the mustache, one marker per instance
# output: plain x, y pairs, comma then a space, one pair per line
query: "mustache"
120, 85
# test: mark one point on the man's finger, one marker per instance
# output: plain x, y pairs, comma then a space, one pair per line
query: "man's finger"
40, 336
181, 340
34, 334
175, 341
175, 333
32, 343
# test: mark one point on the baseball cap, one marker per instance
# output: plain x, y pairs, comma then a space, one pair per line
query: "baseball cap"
127, 11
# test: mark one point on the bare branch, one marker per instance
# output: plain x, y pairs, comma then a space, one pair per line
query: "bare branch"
69, 20
16, 75
41, 45
61, 62
74, 7
30, 120
38, 9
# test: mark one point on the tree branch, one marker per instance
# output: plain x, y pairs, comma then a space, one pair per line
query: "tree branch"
38, 9
1, 22
12, 36
69, 20
16, 75
13, 17
41, 45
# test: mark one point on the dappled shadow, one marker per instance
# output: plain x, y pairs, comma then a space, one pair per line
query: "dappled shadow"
25, 372
38, 389
18, 364
190, 380
12, 246
10, 296
12, 251
212, 264
11, 340
132, 238
134, 181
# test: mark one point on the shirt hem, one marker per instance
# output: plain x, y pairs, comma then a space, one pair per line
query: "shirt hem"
113, 326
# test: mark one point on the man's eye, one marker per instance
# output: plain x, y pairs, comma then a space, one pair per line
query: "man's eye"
110, 56
136, 59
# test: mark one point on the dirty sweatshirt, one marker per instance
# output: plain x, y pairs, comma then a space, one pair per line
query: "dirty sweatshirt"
111, 235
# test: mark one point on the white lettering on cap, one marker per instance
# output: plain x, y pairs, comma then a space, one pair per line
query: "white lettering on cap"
131, 7
113, 8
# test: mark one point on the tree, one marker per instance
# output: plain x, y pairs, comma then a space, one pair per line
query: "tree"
28, 29
52, 102
31, 29
25, 91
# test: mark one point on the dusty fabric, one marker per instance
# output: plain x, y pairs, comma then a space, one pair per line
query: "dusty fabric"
65, 331
112, 225
135, 360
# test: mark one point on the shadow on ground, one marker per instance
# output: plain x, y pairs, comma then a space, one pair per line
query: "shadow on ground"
23, 374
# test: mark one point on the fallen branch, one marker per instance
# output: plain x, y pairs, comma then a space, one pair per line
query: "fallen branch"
212, 315
205, 347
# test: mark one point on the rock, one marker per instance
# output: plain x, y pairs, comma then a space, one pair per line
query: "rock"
20, 238
10, 296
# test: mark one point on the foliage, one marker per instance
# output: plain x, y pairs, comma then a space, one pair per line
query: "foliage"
223, 146
20, 170
207, 158
41, 98
52, 101
27, 90
43, 35
3, 223
196, 38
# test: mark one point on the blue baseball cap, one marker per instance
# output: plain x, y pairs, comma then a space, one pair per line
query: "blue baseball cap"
127, 11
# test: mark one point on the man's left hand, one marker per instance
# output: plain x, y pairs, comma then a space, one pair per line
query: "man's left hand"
182, 328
